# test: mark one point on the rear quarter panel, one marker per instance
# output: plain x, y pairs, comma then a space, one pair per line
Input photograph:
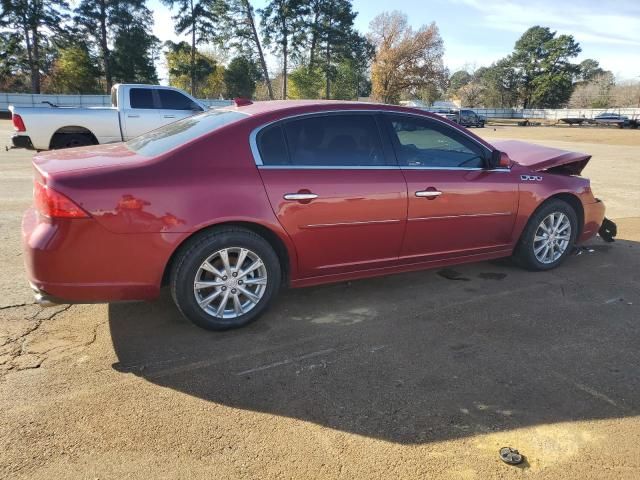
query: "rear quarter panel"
210, 181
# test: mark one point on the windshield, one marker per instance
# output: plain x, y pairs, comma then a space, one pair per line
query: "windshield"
177, 133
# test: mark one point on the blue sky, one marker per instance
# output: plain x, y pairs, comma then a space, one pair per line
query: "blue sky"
478, 32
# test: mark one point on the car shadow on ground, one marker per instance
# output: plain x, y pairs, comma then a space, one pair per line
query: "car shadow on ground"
417, 357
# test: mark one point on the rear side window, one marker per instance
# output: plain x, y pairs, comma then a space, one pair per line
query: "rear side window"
334, 141
141, 98
172, 100
424, 143
178, 133
271, 143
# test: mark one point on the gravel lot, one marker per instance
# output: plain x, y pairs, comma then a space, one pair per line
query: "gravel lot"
408, 376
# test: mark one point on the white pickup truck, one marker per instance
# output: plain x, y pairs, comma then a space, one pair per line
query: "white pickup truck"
135, 109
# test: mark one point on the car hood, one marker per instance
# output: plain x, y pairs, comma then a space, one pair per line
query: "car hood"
84, 158
540, 158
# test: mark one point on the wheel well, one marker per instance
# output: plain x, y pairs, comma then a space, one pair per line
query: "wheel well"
575, 203
73, 129
274, 240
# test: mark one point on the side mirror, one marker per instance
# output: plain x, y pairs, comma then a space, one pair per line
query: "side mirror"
500, 160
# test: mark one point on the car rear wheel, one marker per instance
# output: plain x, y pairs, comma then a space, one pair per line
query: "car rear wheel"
548, 237
225, 279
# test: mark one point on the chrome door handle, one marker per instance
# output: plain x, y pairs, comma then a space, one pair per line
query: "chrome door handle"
169, 116
428, 193
300, 196
133, 116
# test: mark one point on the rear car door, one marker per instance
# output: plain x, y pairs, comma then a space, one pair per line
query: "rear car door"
457, 204
335, 190
140, 113
175, 105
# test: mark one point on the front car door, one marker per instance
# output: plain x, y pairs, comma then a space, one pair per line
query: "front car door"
458, 205
335, 190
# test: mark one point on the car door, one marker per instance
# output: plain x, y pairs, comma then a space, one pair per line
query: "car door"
335, 190
175, 105
457, 204
140, 113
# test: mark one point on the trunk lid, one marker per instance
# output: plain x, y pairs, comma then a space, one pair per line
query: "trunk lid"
56, 162
540, 158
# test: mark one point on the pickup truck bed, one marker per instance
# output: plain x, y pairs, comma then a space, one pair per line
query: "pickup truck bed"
136, 109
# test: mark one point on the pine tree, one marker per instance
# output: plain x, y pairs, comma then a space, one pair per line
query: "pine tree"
202, 20
103, 21
245, 36
33, 19
283, 22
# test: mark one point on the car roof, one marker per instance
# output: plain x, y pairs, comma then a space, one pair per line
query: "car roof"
285, 107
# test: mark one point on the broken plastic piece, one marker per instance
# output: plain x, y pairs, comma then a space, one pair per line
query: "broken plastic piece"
608, 230
510, 455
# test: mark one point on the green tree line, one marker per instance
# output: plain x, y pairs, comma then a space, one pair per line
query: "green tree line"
47, 46
539, 73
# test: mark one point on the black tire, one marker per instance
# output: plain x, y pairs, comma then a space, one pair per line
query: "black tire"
196, 251
71, 140
524, 254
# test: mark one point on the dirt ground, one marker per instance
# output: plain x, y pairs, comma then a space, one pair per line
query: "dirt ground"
421, 375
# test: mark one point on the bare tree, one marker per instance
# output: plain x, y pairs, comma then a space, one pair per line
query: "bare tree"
471, 95
406, 60
596, 93
627, 94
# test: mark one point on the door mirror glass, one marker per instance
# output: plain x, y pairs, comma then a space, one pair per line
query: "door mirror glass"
500, 159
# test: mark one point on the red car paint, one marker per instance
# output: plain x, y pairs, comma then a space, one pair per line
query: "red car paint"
364, 223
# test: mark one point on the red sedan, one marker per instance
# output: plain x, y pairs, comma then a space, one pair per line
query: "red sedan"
227, 206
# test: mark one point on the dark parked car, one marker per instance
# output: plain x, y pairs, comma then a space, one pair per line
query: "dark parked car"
469, 118
227, 206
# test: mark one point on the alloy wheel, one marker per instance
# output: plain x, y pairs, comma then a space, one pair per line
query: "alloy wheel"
552, 237
230, 282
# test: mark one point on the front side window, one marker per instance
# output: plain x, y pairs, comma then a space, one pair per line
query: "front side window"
425, 143
141, 98
172, 100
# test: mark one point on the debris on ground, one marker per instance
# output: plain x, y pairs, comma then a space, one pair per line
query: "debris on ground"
510, 455
579, 250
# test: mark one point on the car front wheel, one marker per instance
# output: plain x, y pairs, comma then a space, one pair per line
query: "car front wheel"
225, 279
548, 237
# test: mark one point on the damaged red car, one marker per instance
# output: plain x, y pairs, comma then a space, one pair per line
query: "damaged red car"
227, 206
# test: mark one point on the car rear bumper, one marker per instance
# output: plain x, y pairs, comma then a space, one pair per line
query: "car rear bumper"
79, 261
21, 141
43, 299
593, 217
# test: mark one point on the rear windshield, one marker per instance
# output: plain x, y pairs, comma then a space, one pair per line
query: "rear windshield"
177, 133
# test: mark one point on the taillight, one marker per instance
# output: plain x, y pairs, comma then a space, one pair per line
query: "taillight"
18, 123
53, 204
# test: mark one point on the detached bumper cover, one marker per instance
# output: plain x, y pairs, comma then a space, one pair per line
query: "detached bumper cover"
608, 230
